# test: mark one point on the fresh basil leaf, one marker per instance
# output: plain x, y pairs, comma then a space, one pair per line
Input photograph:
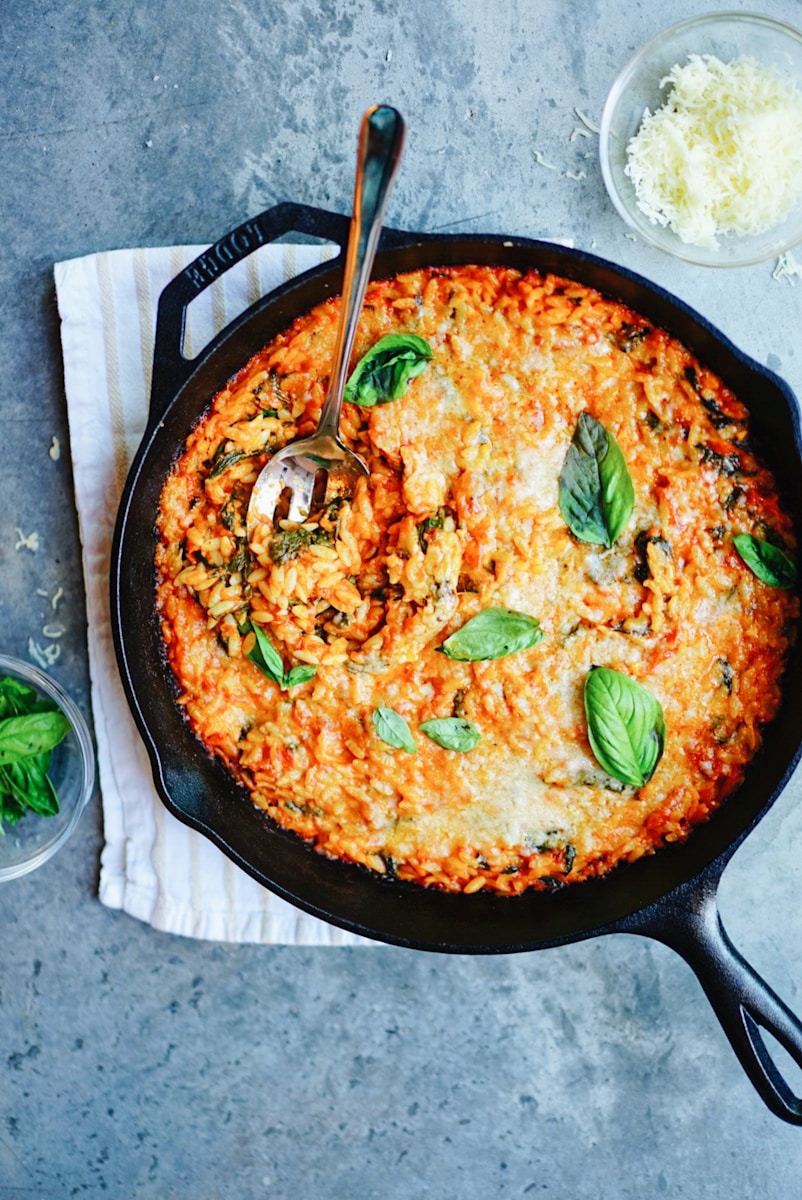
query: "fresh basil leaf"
626, 726
30, 785
391, 727
452, 733
43, 799
11, 808
33, 733
266, 657
596, 494
771, 564
9, 782
298, 674
30, 726
384, 372
492, 633
16, 698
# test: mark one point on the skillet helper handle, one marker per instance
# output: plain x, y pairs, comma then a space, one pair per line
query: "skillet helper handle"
743, 1002
171, 369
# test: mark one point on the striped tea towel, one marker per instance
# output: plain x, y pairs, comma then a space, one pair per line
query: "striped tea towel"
152, 866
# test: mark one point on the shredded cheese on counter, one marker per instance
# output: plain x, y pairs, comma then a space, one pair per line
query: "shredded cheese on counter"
787, 267
723, 155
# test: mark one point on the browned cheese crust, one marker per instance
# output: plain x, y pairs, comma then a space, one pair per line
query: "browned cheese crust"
460, 513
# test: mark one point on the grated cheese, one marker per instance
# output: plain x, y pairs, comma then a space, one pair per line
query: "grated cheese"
787, 268
723, 155
541, 162
27, 541
586, 121
43, 656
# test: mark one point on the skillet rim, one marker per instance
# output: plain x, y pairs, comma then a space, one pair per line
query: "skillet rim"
344, 894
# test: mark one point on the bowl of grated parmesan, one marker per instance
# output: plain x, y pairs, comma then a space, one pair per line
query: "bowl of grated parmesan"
701, 140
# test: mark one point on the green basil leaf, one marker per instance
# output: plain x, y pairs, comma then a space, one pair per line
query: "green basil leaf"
626, 726
384, 372
492, 633
30, 726
298, 674
771, 564
11, 808
391, 727
452, 733
16, 698
10, 783
266, 657
34, 733
30, 785
596, 494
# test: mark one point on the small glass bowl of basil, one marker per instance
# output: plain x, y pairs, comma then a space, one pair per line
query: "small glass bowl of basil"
47, 767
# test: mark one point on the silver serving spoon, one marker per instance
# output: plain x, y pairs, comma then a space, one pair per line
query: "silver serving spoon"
297, 465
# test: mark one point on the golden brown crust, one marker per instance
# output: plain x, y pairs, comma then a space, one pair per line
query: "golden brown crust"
460, 513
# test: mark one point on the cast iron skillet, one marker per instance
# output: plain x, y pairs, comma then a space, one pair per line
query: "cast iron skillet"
670, 896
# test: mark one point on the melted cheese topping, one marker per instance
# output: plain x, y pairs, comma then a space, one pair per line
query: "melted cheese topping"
723, 155
460, 513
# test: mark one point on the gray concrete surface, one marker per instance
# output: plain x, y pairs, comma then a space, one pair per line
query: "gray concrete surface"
136, 1064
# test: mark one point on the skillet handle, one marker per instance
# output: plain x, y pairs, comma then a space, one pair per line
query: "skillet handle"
171, 369
744, 1004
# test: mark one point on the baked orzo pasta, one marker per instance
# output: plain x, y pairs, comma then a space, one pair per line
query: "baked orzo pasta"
542, 638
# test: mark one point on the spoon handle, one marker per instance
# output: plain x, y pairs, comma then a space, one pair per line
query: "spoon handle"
381, 139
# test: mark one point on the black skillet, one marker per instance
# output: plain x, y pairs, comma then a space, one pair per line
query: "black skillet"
670, 896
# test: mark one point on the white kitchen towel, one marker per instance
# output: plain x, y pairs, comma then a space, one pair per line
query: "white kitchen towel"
153, 867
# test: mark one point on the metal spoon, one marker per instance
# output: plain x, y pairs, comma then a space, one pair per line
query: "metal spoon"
297, 465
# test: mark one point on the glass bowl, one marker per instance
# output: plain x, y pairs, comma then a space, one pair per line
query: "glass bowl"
34, 839
727, 35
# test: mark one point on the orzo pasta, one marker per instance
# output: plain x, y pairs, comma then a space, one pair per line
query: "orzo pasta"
556, 467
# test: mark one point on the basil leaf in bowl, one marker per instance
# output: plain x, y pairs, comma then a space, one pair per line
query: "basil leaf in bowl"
596, 493
626, 726
47, 772
29, 784
32, 734
383, 374
30, 728
768, 562
492, 633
